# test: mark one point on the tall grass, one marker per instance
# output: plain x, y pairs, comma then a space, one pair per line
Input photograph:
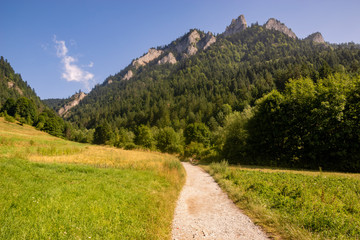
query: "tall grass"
55, 189
301, 205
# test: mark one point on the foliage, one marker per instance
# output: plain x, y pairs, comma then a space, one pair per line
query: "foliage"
144, 137
197, 132
308, 125
235, 135
102, 134
167, 140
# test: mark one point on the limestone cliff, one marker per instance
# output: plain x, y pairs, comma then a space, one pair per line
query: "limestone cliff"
316, 38
128, 75
187, 45
170, 58
148, 57
192, 42
183, 47
207, 41
275, 24
236, 26
74, 101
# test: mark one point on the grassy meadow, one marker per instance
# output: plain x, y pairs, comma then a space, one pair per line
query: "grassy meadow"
56, 189
291, 204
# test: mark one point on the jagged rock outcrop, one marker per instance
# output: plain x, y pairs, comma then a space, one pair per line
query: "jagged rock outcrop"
128, 75
75, 100
148, 57
316, 38
236, 26
207, 41
170, 58
187, 45
109, 81
192, 42
275, 24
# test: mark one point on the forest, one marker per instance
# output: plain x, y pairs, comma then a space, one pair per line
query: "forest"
256, 97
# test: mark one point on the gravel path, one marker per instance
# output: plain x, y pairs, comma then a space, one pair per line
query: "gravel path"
204, 211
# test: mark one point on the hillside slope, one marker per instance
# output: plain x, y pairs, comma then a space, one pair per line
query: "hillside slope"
235, 70
13, 86
56, 189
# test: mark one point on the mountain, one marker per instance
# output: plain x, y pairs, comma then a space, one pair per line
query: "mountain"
197, 77
13, 86
62, 106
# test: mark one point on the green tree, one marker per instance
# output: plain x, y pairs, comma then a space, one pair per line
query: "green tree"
144, 137
102, 134
9, 106
236, 134
26, 109
197, 132
167, 140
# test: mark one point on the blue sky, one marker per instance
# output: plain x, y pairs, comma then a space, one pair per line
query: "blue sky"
60, 47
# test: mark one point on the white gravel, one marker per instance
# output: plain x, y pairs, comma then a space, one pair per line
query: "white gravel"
204, 211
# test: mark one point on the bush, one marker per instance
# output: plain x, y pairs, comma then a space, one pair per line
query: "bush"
144, 137
130, 146
219, 168
168, 141
9, 118
194, 150
197, 132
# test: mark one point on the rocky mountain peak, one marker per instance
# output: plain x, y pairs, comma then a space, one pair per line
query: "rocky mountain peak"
236, 26
275, 24
195, 40
316, 38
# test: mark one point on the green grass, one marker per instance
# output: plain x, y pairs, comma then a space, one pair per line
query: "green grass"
295, 205
54, 189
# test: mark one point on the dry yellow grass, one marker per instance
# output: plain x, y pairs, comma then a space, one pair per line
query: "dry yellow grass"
27, 143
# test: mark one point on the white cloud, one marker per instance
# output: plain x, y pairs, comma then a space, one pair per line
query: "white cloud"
71, 71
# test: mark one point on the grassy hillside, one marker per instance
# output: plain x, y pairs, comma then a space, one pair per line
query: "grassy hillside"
56, 189
295, 204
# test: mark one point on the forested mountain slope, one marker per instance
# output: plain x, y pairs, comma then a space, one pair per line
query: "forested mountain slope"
13, 86
235, 70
